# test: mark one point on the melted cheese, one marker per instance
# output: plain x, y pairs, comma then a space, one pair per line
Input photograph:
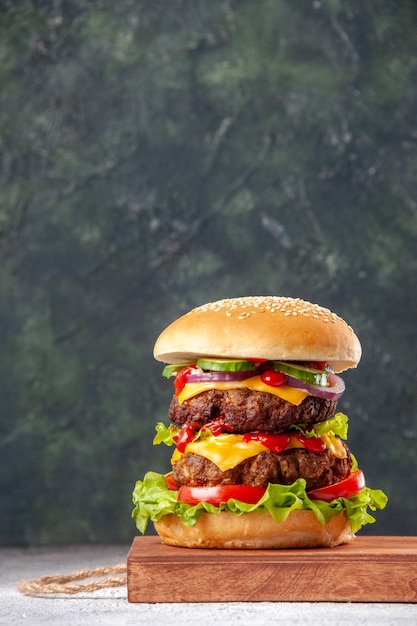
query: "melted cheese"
334, 445
290, 394
227, 451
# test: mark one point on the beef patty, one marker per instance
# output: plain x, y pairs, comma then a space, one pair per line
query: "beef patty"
319, 470
245, 410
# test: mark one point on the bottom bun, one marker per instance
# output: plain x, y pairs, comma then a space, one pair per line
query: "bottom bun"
254, 530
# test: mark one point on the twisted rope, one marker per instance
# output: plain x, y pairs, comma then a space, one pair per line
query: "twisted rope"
64, 583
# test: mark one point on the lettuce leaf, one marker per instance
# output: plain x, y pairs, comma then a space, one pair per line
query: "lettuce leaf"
164, 434
152, 500
336, 425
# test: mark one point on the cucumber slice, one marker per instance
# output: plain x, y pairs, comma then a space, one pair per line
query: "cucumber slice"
302, 372
225, 365
170, 370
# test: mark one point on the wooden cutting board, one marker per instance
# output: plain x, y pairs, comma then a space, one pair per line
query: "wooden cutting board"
371, 569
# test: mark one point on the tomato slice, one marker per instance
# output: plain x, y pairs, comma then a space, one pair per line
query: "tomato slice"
346, 488
171, 484
220, 493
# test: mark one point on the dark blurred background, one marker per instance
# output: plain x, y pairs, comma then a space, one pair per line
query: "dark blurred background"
158, 155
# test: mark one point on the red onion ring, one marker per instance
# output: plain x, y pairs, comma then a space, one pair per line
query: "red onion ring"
333, 391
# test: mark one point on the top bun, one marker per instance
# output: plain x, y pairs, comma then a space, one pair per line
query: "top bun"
263, 327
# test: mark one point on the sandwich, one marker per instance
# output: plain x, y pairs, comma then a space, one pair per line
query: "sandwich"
260, 458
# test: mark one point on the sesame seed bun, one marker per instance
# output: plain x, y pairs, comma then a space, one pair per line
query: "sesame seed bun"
258, 531
264, 327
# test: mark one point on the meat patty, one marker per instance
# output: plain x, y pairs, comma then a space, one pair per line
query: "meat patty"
319, 470
245, 410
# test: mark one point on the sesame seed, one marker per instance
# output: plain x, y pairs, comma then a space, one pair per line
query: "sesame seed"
273, 305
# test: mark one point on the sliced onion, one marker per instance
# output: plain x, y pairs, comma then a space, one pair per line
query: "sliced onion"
331, 392
212, 377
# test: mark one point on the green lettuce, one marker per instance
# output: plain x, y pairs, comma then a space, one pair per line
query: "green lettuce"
336, 425
153, 500
165, 434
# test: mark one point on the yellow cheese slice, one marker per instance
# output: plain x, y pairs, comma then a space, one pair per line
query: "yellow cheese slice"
290, 394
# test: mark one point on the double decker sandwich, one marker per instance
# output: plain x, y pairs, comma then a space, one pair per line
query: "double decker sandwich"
260, 456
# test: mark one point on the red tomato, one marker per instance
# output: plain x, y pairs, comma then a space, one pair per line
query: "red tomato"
220, 493
346, 488
171, 484
179, 380
273, 378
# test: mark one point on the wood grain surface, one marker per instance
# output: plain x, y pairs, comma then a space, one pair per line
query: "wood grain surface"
371, 569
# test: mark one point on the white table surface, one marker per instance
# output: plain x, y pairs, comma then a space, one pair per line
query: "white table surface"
110, 606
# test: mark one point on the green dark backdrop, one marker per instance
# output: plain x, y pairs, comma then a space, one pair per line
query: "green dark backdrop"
158, 155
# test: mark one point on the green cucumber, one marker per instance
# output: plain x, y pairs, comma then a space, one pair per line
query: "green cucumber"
302, 372
225, 365
170, 370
